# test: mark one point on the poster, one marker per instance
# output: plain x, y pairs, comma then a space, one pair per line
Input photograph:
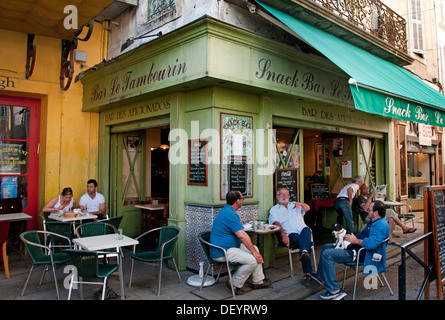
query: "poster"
9, 187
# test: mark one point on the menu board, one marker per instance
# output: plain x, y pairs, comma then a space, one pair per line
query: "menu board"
238, 174
320, 191
288, 178
197, 169
435, 217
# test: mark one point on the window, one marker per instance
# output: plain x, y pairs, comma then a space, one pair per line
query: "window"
417, 38
157, 8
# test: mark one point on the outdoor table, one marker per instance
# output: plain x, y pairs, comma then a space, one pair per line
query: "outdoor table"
78, 217
268, 229
400, 205
15, 217
108, 241
147, 210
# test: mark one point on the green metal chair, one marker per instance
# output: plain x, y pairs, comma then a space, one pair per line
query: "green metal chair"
87, 266
357, 263
204, 239
115, 221
96, 228
63, 228
166, 243
43, 255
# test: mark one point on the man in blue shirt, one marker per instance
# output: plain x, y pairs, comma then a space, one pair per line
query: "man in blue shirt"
371, 238
228, 233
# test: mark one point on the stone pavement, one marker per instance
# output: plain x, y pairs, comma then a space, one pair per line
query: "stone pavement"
144, 282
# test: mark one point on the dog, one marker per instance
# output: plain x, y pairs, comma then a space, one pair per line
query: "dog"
339, 232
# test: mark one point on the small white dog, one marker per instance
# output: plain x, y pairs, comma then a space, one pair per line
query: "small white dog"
339, 232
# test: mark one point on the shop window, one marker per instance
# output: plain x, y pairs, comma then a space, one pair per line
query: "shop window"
288, 155
418, 174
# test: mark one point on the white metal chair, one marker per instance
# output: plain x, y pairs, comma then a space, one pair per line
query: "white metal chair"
356, 265
291, 250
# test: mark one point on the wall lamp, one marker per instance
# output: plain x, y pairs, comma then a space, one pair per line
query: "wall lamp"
130, 41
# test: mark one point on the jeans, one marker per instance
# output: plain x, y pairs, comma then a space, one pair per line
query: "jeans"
249, 265
326, 267
302, 241
343, 208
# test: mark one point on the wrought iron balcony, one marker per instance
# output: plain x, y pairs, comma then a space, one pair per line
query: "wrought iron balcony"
372, 16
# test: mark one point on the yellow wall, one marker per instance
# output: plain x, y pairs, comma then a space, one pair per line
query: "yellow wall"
68, 137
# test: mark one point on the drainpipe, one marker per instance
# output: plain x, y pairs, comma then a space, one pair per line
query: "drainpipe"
106, 29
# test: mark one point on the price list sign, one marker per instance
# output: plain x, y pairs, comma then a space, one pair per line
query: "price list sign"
197, 169
436, 223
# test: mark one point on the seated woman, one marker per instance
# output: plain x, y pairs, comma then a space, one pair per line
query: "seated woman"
65, 201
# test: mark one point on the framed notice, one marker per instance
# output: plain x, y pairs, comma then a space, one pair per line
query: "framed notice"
320, 191
197, 168
236, 154
289, 179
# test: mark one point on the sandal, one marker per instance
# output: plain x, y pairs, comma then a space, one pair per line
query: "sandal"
394, 243
410, 230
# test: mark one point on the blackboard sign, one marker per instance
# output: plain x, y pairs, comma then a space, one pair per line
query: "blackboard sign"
436, 224
287, 178
238, 174
197, 169
320, 191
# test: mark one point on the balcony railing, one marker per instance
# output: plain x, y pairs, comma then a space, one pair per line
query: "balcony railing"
373, 17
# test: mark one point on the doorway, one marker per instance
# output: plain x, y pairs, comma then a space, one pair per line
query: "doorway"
19, 144
139, 174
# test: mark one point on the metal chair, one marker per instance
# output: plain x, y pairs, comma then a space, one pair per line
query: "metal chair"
164, 251
204, 239
291, 250
87, 266
63, 228
96, 228
406, 216
356, 265
115, 221
42, 255
4, 231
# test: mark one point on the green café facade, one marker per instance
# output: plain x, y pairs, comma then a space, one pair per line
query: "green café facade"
237, 107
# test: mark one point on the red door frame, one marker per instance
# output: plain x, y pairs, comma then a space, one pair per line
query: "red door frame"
33, 141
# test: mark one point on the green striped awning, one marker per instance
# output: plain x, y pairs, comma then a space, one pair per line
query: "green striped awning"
377, 85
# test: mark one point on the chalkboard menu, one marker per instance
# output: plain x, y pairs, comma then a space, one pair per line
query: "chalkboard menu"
436, 218
197, 170
287, 178
238, 174
320, 191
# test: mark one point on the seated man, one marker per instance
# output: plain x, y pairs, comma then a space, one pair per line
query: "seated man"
371, 238
228, 232
294, 232
93, 202
364, 202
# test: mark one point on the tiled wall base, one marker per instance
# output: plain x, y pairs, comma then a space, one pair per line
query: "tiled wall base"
199, 219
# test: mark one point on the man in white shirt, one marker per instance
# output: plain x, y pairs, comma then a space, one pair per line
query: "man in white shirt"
92, 201
343, 203
294, 232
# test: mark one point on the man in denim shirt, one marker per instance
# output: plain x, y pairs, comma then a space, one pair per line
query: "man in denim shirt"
371, 238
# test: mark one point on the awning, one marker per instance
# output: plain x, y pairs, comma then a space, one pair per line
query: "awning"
377, 85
